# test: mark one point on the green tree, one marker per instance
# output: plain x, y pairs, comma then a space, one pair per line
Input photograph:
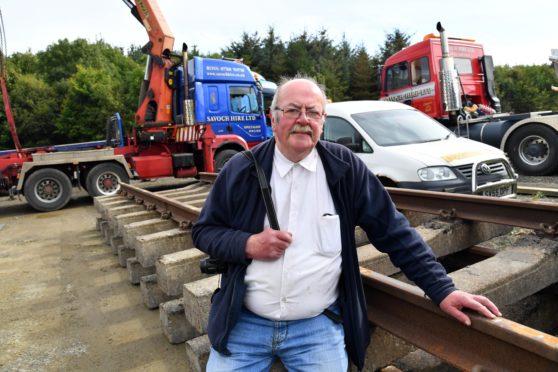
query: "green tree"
526, 88
299, 59
136, 54
60, 60
393, 43
90, 100
67, 92
23, 63
343, 59
248, 49
34, 108
273, 57
362, 73
326, 70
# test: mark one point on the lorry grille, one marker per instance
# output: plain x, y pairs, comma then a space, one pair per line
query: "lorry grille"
495, 168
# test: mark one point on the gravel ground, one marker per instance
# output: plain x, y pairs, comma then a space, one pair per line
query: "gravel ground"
535, 181
65, 302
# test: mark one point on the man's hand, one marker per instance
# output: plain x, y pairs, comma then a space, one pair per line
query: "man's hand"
457, 300
268, 245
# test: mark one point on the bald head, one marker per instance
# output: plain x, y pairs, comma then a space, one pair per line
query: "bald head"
298, 117
285, 82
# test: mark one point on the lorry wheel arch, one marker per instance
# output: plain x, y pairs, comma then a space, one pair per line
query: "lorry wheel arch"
48, 189
104, 179
222, 156
532, 149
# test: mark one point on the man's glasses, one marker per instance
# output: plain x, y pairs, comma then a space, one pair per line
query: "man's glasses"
294, 113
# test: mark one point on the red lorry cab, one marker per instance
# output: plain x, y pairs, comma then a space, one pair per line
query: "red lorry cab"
412, 76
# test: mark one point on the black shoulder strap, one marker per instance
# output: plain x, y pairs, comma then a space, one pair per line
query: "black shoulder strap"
266, 193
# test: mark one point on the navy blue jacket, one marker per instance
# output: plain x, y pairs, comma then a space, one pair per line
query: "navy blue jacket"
234, 210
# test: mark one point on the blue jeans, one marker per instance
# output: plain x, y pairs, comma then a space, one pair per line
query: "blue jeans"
314, 344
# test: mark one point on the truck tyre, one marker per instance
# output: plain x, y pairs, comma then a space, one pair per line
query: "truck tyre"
223, 157
533, 150
105, 178
47, 189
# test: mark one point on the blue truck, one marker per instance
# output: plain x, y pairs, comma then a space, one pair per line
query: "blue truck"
194, 115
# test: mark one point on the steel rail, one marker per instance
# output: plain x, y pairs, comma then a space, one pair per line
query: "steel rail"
538, 216
530, 190
207, 177
532, 215
486, 345
181, 213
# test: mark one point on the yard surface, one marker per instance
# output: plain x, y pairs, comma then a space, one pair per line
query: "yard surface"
66, 304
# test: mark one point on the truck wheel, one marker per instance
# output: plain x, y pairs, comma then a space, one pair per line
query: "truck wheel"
105, 178
48, 189
223, 157
533, 150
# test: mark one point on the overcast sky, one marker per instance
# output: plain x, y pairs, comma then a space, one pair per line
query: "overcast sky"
512, 32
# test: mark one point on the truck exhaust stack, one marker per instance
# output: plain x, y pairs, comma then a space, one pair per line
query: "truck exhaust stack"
451, 95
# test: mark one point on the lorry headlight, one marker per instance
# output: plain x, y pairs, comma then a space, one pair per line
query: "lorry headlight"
436, 174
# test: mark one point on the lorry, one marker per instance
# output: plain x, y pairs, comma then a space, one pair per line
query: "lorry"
193, 115
452, 80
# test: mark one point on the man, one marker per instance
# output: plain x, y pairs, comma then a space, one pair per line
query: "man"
283, 290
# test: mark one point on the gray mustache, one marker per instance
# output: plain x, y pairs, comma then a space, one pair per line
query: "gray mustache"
301, 129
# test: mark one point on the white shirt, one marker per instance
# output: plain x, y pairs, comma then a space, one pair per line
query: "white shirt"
303, 282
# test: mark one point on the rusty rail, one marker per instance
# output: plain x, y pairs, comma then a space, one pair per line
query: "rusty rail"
207, 177
487, 345
530, 190
538, 216
182, 213
532, 215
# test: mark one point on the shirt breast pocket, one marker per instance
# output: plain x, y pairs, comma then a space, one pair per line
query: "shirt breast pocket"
330, 235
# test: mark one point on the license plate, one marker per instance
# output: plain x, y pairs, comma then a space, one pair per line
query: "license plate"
498, 192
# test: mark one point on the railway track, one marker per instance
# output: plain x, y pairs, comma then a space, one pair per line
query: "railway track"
539, 217
401, 309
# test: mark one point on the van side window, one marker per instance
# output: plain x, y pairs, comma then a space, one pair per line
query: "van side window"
397, 76
340, 131
420, 71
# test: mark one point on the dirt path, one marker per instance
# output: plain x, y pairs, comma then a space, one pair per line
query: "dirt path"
66, 304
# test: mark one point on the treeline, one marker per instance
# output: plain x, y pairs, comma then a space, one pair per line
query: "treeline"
66, 93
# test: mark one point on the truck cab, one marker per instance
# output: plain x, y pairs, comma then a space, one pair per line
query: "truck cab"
228, 97
412, 75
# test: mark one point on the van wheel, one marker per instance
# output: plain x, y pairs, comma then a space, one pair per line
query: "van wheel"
222, 158
533, 149
104, 179
47, 189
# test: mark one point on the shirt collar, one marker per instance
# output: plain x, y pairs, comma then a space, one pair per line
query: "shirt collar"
284, 165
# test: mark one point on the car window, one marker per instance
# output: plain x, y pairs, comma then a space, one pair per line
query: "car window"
340, 131
401, 127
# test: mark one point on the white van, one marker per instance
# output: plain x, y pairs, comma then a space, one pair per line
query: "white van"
408, 149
